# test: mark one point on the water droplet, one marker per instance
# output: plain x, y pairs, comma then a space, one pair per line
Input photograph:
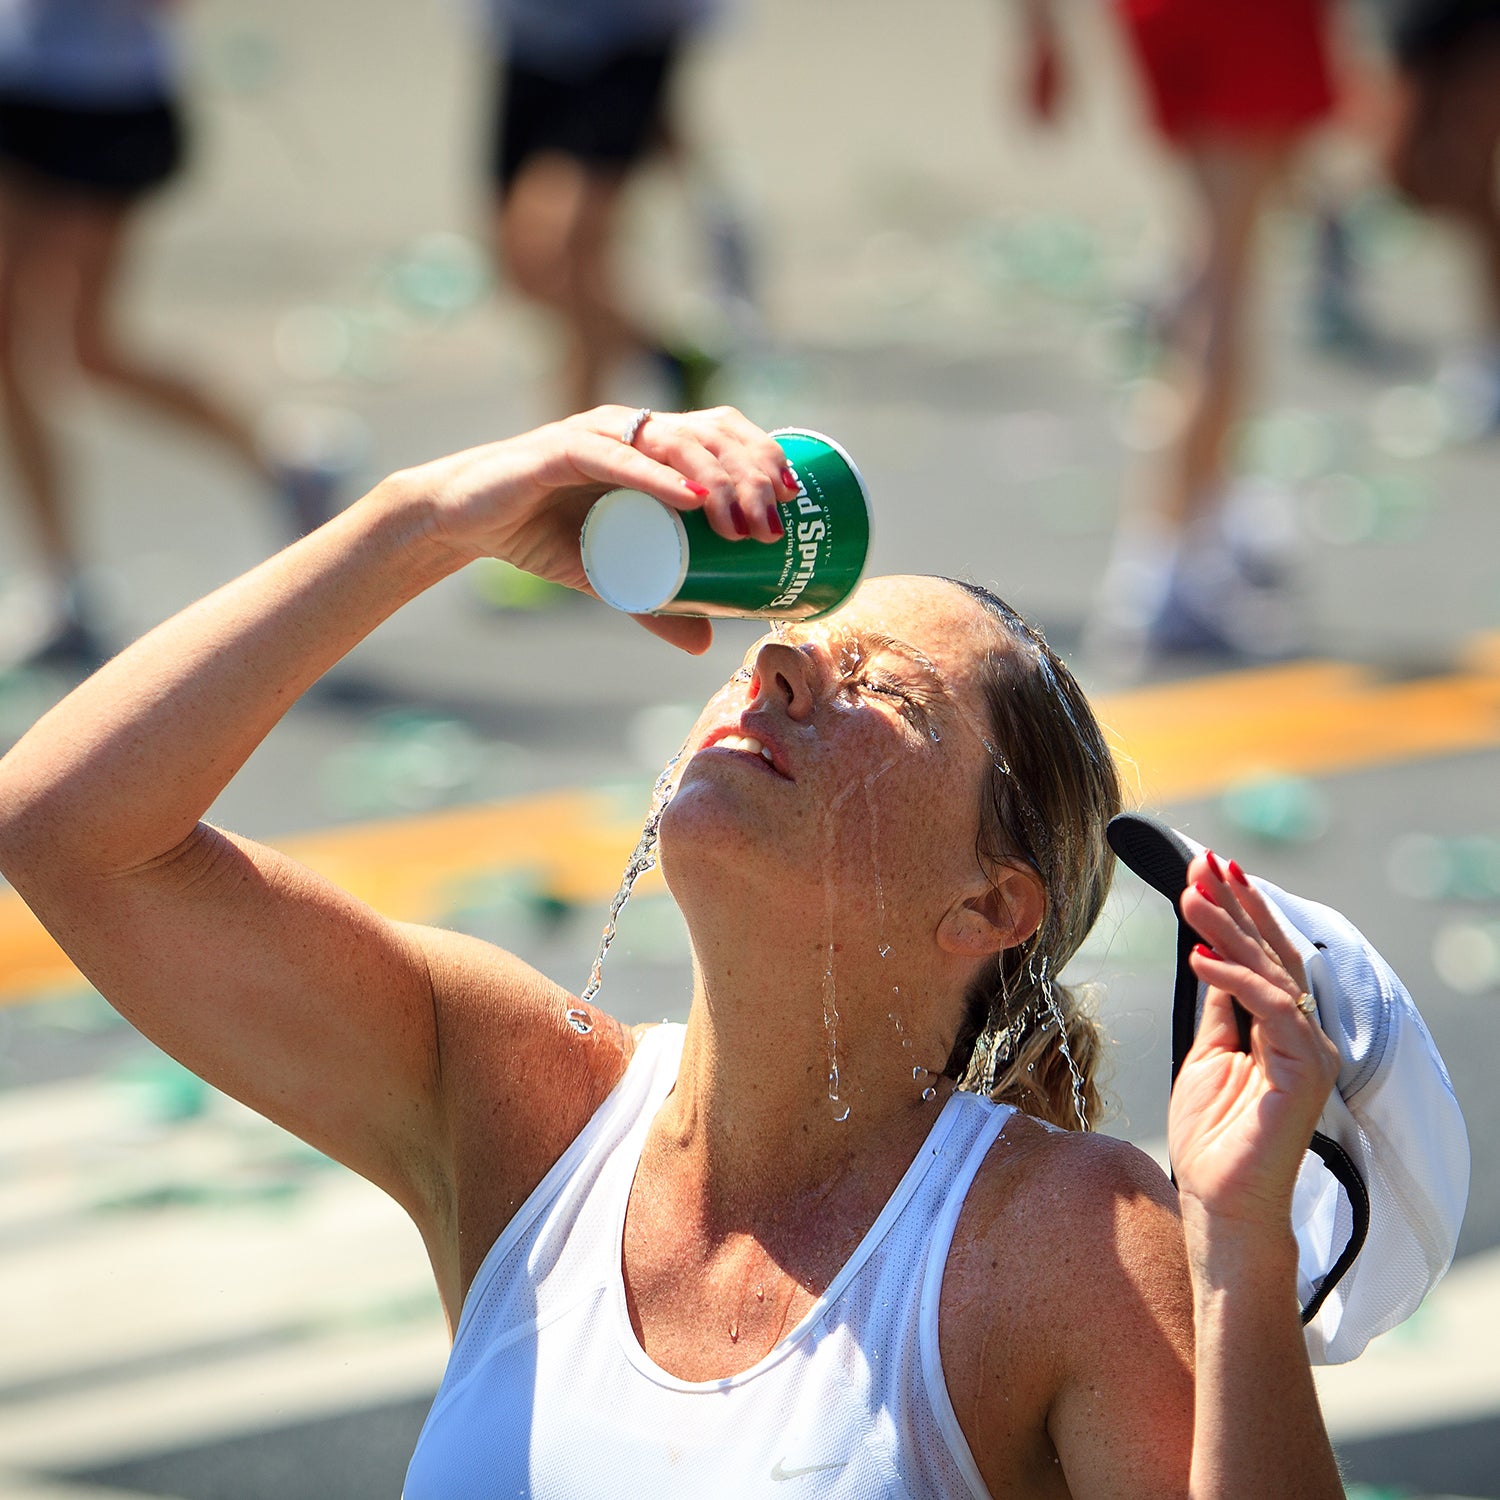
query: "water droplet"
641, 860
579, 1021
830, 983
935, 734
734, 1332
760, 1294
918, 1072
885, 950
840, 1118
929, 1093
1080, 1104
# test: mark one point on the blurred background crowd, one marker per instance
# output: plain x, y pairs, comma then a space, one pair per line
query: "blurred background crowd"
1178, 320
1334, 112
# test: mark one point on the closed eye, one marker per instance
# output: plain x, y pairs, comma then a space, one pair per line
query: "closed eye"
907, 702
884, 687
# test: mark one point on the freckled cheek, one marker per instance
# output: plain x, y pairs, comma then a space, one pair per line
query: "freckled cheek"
929, 812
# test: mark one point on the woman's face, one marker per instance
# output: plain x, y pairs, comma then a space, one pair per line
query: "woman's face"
841, 766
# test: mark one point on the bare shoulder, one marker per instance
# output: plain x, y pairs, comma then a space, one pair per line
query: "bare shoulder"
1067, 1271
1073, 1217
1078, 1182
517, 1081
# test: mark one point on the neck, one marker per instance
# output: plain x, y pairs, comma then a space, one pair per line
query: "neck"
797, 1077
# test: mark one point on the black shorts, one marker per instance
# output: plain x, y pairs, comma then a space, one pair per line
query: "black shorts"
608, 117
117, 153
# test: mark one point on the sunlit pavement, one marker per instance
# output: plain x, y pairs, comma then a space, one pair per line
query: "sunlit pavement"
196, 1306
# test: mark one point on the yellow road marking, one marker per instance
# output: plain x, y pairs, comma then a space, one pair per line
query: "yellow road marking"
1178, 741
412, 869
1193, 739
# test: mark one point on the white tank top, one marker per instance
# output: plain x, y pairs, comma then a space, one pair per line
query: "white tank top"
548, 1394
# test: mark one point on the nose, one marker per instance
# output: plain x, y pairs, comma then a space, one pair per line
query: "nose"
787, 675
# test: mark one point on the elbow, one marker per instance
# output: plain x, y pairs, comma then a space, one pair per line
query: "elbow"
35, 833
23, 832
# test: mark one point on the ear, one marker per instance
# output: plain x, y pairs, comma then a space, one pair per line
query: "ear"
1002, 915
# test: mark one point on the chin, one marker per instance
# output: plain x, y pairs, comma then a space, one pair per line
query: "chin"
709, 824
712, 832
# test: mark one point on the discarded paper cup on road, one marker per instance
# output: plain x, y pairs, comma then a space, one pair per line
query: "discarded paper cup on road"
643, 557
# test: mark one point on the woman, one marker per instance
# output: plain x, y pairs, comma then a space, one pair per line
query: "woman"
656, 1246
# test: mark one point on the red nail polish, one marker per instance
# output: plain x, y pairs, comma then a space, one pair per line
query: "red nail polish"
778, 526
788, 478
700, 490
737, 518
1204, 891
1238, 873
1204, 950
1213, 864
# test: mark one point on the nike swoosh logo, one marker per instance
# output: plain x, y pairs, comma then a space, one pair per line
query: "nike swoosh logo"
778, 1473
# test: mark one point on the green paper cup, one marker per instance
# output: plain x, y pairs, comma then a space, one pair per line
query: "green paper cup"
645, 558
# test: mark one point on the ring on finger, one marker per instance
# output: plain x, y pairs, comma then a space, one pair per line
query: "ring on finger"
638, 420
1307, 1005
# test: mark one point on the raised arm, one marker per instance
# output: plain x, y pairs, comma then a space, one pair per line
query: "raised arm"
1174, 1359
1238, 1127
268, 981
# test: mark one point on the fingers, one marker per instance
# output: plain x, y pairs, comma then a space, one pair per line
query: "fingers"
601, 457
1268, 924
732, 469
1222, 906
1289, 1045
1248, 957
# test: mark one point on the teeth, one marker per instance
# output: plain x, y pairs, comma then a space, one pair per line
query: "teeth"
744, 742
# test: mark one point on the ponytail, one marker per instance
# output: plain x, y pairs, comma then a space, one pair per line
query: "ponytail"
1017, 1043
1051, 790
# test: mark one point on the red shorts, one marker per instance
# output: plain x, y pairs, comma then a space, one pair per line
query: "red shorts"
1232, 67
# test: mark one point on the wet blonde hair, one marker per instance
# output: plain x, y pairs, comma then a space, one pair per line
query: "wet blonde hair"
1050, 792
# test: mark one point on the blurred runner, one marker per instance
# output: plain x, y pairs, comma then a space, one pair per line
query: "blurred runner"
1233, 87
583, 87
90, 126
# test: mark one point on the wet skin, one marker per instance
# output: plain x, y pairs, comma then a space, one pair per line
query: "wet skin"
869, 805
822, 846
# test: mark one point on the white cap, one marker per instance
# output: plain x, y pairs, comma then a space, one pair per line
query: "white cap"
1381, 1194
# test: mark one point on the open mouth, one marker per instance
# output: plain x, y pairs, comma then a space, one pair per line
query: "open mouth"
746, 744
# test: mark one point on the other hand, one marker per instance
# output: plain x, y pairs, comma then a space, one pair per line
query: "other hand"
1239, 1122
